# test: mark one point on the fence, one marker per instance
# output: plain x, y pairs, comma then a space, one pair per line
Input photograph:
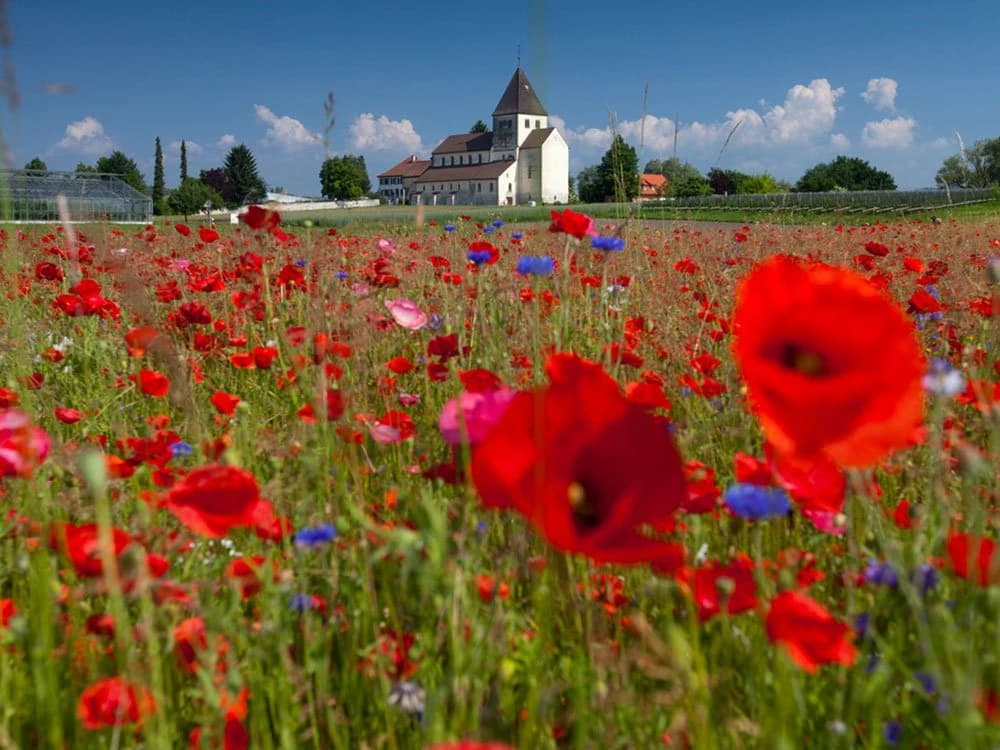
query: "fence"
30, 195
860, 201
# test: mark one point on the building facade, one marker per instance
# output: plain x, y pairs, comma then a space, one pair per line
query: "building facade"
521, 160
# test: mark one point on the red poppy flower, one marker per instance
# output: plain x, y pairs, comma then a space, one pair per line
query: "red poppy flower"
832, 366
972, 558
225, 403
183, 229
114, 702
207, 235
153, 383
589, 469
400, 365
256, 217
810, 634
214, 498
81, 544
68, 415
718, 588
570, 222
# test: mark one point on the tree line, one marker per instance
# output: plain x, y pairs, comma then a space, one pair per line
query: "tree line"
236, 183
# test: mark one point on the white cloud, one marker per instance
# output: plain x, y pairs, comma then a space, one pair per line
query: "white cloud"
889, 133
192, 148
86, 136
881, 93
226, 141
285, 131
808, 111
370, 133
839, 140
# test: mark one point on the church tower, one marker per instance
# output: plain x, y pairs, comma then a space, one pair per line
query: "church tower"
518, 112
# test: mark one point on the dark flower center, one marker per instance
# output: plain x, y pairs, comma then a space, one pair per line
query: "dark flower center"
584, 513
803, 360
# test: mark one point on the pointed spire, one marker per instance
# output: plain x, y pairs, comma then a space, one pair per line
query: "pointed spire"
519, 98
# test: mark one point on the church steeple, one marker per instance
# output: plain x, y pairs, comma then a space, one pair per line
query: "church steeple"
519, 98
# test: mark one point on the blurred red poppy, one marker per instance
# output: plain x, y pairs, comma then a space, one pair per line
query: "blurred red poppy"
589, 469
207, 235
213, 499
114, 702
831, 365
153, 383
810, 634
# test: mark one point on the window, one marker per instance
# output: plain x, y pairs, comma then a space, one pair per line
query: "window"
452, 161
527, 123
479, 187
491, 187
538, 123
480, 158
530, 171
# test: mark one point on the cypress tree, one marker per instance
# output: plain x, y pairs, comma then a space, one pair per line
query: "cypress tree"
184, 162
158, 181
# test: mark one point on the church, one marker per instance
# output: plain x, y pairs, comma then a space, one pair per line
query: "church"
522, 160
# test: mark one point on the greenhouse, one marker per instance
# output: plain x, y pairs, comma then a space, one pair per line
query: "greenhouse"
30, 195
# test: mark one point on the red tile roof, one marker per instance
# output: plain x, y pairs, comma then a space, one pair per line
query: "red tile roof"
411, 166
652, 184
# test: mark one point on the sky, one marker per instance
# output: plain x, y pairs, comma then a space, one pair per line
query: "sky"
789, 83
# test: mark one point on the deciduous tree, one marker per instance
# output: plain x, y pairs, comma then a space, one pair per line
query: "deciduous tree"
120, 164
344, 177
191, 196
38, 164
845, 173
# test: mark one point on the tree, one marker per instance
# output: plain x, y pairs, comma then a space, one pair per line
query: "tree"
191, 196
689, 185
118, 163
619, 170
678, 173
241, 169
844, 173
38, 164
344, 177
82, 168
721, 181
184, 161
978, 166
479, 127
219, 181
159, 185
587, 186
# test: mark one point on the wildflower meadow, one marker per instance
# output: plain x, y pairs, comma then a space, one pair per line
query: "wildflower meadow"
479, 485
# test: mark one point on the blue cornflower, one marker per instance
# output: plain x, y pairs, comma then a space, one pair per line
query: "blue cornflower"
927, 682
449, 227
312, 536
435, 321
479, 256
341, 275
881, 574
925, 577
517, 236
536, 265
497, 223
893, 732
487, 230
755, 502
481, 527
300, 603
180, 449
302, 262
861, 623
608, 244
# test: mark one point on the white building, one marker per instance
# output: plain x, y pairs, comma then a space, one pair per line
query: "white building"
522, 159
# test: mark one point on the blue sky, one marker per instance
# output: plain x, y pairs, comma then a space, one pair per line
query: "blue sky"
891, 82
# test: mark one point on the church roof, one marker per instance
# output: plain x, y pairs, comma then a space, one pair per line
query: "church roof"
489, 170
411, 166
464, 142
519, 98
537, 137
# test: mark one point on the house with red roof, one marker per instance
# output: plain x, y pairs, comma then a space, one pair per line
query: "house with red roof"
652, 187
396, 184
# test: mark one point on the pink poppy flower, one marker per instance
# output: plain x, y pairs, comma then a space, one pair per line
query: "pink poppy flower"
470, 416
406, 313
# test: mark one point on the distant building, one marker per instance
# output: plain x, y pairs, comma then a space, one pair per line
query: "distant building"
396, 184
521, 160
652, 187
